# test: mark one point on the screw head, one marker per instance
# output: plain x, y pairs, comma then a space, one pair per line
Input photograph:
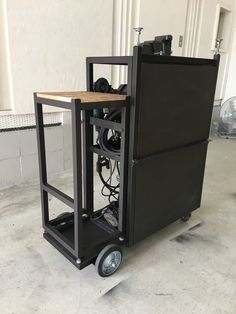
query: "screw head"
78, 261
138, 29
121, 238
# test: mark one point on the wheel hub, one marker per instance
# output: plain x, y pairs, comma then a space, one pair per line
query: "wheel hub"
111, 262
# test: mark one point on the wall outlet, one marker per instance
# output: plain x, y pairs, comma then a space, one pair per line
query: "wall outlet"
181, 38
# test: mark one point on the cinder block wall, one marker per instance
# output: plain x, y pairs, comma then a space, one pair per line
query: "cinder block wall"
19, 159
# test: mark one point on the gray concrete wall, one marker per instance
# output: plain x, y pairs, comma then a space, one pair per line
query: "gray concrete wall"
19, 159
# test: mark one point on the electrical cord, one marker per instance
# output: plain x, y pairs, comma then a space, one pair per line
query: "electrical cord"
107, 183
113, 193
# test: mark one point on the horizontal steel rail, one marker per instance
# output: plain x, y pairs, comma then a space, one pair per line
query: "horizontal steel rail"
103, 153
59, 195
106, 124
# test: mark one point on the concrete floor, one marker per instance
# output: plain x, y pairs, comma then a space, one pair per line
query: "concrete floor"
186, 268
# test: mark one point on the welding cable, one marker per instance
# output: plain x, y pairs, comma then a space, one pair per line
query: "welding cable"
113, 143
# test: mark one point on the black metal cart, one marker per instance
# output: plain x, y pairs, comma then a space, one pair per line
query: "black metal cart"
164, 129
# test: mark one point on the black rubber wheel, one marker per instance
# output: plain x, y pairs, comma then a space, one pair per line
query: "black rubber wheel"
186, 217
63, 214
109, 260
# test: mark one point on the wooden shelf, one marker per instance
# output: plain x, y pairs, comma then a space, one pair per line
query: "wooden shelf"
85, 97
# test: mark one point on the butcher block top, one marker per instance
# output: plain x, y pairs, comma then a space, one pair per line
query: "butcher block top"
85, 97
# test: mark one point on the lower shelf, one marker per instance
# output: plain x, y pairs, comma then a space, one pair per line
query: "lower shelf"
94, 232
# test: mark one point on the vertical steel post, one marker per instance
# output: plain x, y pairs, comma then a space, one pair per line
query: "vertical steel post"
77, 173
134, 104
42, 159
88, 181
123, 165
89, 75
87, 153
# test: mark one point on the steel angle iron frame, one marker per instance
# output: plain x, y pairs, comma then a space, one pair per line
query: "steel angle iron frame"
79, 252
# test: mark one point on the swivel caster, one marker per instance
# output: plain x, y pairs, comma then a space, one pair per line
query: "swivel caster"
186, 217
108, 260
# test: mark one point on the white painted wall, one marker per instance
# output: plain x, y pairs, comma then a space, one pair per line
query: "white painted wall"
206, 35
49, 41
125, 17
195, 20
231, 79
162, 17
157, 17
5, 76
207, 23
